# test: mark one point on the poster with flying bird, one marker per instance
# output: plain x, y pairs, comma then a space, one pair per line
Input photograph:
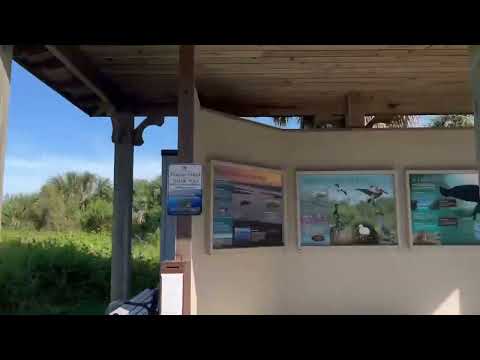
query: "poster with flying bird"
346, 208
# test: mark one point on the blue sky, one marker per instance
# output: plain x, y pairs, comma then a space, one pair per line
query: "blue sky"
48, 136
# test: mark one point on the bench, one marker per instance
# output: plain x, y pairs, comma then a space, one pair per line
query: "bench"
145, 303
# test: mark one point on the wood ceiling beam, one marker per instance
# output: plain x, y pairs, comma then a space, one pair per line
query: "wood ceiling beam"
49, 64
246, 110
79, 65
414, 104
160, 109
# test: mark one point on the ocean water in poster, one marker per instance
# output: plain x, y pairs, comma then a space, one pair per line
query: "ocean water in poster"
347, 209
445, 209
184, 189
247, 206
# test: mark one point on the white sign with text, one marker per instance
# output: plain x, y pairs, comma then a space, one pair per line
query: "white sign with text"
184, 192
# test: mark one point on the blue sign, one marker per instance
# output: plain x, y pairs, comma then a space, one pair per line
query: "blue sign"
184, 190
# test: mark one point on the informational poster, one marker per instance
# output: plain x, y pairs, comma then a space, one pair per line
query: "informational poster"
346, 208
184, 193
444, 207
248, 206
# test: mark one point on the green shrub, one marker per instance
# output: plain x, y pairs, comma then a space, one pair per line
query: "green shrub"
61, 269
18, 211
65, 273
97, 216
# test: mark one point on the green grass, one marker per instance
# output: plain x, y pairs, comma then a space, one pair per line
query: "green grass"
65, 273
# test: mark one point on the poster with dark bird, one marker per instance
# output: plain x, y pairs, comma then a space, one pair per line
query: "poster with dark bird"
346, 208
248, 206
444, 207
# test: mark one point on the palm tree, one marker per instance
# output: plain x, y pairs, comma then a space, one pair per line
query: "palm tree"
104, 189
453, 121
18, 210
146, 209
81, 187
282, 121
391, 121
141, 201
388, 121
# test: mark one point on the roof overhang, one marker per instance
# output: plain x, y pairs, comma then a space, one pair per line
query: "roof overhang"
258, 80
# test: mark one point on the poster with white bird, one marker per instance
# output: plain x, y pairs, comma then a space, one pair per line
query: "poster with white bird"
346, 208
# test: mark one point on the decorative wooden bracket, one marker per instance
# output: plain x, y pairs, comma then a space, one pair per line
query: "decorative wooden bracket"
124, 133
157, 120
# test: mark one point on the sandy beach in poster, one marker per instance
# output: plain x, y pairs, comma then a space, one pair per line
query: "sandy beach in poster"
444, 208
347, 209
248, 206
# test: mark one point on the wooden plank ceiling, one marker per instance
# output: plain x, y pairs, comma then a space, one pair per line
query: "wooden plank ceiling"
251, 80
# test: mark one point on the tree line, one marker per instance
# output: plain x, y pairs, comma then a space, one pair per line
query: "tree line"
83, 201
387, 121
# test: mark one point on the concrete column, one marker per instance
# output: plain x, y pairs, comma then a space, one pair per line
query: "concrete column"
123, 125
6, 52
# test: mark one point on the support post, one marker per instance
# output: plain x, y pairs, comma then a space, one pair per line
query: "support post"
6, 52
186, 123
355, 116
169, 223
186, 126
122, 137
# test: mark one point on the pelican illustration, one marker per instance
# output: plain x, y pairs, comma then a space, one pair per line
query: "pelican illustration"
373, 193
340, 189
468, 193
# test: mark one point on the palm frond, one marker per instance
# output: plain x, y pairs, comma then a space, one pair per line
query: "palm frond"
391, 121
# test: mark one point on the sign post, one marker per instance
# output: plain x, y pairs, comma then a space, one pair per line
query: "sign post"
169, 223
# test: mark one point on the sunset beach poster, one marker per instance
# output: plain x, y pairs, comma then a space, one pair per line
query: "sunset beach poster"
248, 206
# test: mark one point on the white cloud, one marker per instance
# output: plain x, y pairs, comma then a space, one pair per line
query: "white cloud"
25, 175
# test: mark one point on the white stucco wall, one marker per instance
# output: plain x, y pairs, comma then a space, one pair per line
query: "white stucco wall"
332, 280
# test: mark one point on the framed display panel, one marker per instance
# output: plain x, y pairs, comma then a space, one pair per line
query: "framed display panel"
347, 208
443, 207
247, 206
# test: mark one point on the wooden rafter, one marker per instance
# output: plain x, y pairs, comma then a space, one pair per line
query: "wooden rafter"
261, 80
83, 70
160, 109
